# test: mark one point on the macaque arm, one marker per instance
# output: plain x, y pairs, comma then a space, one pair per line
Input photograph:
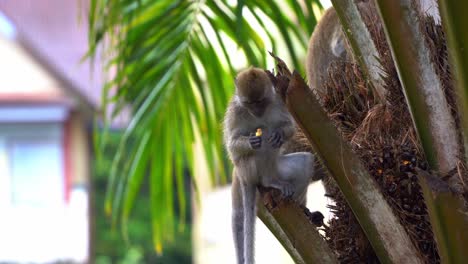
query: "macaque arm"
288, 130
236, 134
238, 145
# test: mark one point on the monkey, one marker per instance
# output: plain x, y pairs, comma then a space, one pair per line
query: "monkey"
327, 45
257, 159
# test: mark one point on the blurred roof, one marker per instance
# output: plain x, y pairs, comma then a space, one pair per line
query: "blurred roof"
25, 80
55, 32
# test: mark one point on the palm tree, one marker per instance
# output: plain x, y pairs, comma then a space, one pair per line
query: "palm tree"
175, 60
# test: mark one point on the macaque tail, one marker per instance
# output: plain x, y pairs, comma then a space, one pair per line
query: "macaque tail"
238, 219
249, 192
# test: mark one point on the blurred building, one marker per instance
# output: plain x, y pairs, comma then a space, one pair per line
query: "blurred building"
47, 102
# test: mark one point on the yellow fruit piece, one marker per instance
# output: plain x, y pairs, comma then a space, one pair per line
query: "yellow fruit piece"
259, 132
405, 162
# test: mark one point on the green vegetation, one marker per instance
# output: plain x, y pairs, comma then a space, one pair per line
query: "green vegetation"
109, 245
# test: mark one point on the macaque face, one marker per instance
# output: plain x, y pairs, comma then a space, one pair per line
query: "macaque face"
254, 90
256, 106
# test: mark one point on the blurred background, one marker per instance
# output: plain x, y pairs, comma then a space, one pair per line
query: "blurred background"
47, 103
52, 191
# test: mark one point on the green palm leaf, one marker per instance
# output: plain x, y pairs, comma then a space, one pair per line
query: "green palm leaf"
173, 64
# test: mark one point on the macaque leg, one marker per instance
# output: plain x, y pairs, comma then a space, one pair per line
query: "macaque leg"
249, 192
238, 218
297, 169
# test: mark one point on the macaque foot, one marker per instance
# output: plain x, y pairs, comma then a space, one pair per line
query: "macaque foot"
286, 188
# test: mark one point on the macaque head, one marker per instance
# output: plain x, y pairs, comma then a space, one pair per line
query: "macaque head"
254, 90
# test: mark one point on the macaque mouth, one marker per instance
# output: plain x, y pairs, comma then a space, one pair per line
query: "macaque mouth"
255, 102
257, 112
257, 107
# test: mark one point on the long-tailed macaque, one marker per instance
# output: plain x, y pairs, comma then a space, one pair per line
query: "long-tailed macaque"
326, 46
328, 43
256, 125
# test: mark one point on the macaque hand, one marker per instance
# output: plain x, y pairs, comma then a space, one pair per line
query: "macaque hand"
276, 139
255, 142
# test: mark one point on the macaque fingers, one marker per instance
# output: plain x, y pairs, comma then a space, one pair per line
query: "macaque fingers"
255, 142
276, 140
273, 137
286, 188
278, 144
255, 139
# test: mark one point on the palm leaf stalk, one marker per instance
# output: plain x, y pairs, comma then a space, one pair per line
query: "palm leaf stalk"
454, 21
432, 118
278, 232
172, 64
293, 229
444, 205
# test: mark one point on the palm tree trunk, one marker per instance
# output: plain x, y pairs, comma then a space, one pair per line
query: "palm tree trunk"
433, 121
384, 231
422, 87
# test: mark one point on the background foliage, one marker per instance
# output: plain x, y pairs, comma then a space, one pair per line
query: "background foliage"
109, 245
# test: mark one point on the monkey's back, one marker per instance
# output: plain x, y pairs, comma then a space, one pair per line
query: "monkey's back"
326, 46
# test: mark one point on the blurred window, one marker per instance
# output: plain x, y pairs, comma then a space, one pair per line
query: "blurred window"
36, 172
34, 155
